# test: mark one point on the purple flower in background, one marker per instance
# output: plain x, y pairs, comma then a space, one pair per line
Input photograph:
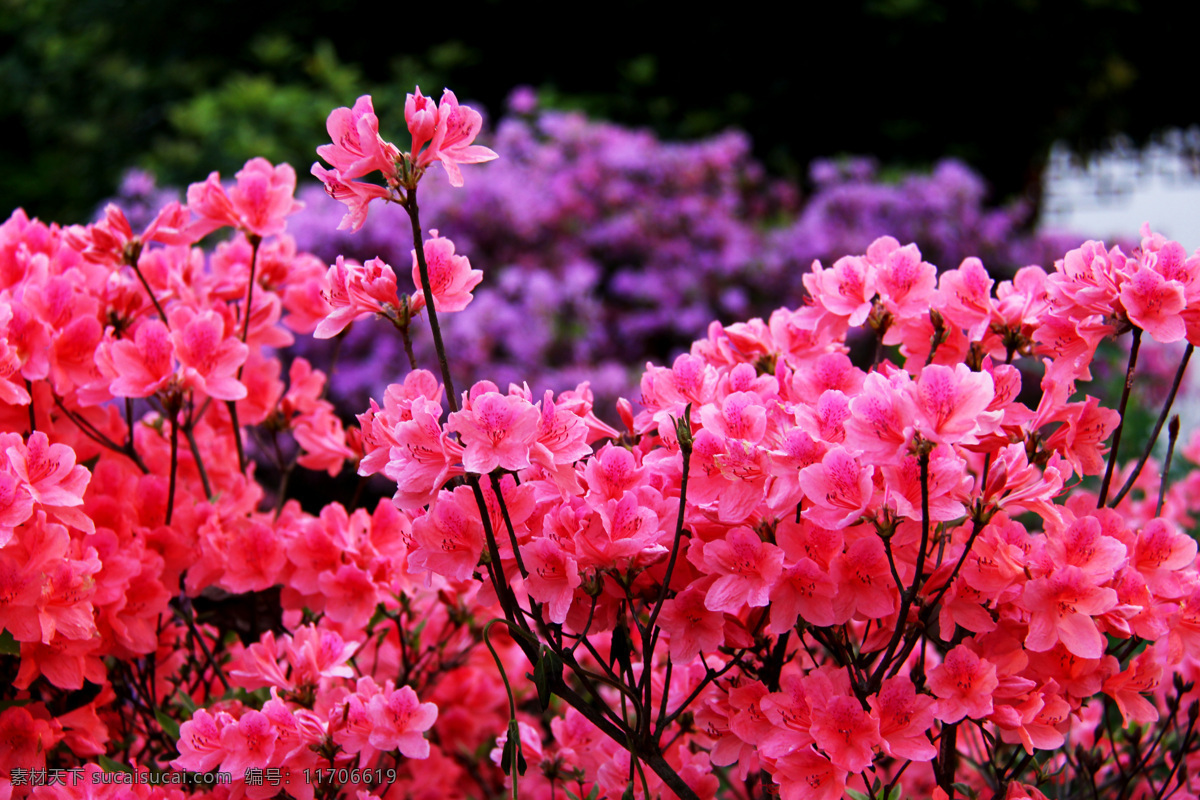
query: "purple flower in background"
603, 247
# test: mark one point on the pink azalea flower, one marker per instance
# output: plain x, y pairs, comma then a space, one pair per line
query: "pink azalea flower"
690, 625
1161, 554
963, 684
1062, 606
315, 653
259, 667
450, 276
1126, 688
905, 718
553, 576
201, 748
249, 743
422, 457
804, 591
949, 483
111, 240
48, 472
398, 720
449, 538
966, 297
421, 116
455, 129
209, 359
951, 404
628, 530
748, 566
257, 204
840, 489
904, 280
356, 195
322, 439
354, 292
846, 732
881, 416
142, 366
1154, 304
865, 582
806, 775
562, 440
357, 147
495, 431
845, 290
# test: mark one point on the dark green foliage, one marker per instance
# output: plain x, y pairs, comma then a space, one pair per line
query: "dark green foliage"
89, 88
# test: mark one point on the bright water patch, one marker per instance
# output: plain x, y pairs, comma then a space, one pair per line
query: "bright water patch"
1115, 192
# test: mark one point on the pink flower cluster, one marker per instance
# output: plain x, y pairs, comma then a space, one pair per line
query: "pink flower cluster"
289, 736
357, 291
790, 573
135, 355
440, 133
840, 507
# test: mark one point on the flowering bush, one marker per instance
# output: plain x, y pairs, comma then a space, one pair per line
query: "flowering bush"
789, 574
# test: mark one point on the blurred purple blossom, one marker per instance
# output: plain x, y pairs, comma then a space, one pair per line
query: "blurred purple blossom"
603, 247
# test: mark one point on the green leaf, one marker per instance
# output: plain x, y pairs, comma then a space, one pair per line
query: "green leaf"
113, 766
554, 665
506, 757
170, 726
967, 791
8, 645
187, 703
856, 795
541, 679
512, 744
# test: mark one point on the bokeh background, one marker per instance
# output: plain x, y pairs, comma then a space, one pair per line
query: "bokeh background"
89, 88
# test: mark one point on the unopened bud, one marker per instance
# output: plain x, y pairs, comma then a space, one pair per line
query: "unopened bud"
593, 584
683, 430
625, 412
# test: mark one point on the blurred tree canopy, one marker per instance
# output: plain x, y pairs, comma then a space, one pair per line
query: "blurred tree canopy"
89, 88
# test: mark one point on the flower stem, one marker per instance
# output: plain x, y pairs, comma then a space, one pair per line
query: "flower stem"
1158, 426
255, 241
174, 463
1116, 442
410, 205
1172, 438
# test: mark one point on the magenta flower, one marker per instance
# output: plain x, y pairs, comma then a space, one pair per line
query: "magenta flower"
257, 204
355, 291
355, 194
450, 276
209, 359
748, 568
398, 720
357, 147
454, 130
496, 431
963, 684
553, 576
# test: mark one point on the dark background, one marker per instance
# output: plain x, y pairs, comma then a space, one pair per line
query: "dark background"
89, 88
